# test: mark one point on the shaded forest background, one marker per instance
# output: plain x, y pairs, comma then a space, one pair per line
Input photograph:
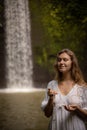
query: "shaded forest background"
54, 25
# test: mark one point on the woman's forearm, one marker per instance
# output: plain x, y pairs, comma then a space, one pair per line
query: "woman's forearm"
49, 108
82, 113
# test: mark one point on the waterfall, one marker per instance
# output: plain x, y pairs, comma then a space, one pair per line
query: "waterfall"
19, 66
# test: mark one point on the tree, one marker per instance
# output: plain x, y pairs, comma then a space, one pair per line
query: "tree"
64, 24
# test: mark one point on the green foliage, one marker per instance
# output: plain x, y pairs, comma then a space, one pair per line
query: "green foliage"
64, 25
1, 12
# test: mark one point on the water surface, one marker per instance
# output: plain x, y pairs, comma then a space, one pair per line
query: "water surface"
21, 111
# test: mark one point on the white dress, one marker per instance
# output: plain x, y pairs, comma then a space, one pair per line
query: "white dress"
62, 119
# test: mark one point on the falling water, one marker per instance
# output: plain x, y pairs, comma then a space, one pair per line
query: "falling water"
18, 44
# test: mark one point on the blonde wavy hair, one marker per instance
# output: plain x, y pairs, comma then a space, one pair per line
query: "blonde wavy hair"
76, 73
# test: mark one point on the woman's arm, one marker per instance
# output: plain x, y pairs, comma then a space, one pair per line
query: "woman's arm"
74, 108
49, 108
82, 112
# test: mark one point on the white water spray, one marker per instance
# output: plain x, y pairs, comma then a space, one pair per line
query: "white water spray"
19, 67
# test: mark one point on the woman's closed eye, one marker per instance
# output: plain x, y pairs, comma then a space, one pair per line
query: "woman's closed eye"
60, 59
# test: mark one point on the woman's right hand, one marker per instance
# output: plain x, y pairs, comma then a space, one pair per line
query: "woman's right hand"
51, 92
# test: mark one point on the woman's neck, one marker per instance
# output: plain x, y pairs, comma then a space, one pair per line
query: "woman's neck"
66, 77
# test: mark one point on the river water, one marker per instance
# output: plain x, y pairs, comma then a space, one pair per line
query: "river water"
21, 111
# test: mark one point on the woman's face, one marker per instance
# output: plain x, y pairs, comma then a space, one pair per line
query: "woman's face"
64, 63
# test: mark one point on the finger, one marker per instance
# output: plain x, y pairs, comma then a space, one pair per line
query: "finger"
74, 106
54, 92
72, 109
49, 89
66, 107
50, 92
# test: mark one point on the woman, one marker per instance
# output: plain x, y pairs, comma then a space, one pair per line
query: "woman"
66, 96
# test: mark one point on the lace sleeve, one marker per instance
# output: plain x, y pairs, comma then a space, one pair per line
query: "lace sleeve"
84, 99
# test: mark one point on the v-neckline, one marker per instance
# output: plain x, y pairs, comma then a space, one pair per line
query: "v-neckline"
68, 92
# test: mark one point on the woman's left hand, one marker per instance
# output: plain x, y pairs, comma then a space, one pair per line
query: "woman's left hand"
71, 108
78, 110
